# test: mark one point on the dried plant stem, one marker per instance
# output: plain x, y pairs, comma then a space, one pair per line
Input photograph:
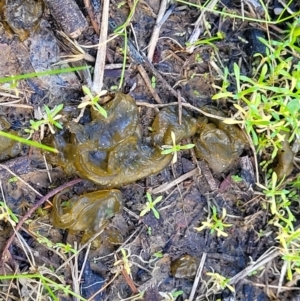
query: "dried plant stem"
89, 10
156, 30
101, 54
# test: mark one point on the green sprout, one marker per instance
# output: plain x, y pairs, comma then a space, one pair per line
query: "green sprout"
124, 262
153, 81
158, 254
150, 205
64, 248
90, 100
122, 31
208, 41
49, 118
236, 178
171, 296
175, 148
219, 281
7, 215
12, 179
215, 223
279, 201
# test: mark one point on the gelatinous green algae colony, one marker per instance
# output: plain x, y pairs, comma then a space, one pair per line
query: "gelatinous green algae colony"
111, 152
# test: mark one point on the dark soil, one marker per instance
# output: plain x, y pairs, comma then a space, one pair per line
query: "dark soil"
185, 204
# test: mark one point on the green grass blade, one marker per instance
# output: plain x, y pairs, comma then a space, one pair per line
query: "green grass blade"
28, 142
43, 73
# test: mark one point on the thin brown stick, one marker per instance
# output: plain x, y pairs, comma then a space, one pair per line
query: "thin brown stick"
88, 8
148, 83
32, 209
198, 277
166, 186
184, 104
156, 30
101, 54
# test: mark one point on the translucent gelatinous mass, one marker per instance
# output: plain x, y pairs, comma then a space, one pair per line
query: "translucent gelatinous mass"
217, 143
87, 212
184, 267
111, 152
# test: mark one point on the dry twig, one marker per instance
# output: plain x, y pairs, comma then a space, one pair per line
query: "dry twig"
87, 5
156, 30
198, 277
101, 54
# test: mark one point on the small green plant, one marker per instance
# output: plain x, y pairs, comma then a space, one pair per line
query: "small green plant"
175, 148
219, 282
236, 178
208, 41
171, 296
124, 262
267, 102
12, 179
63, 248
49, 118
90, 100
215, 223
150, 205
277, 196
153, 81
158, 254
7, 215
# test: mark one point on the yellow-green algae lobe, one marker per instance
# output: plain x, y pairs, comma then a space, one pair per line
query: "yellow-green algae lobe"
110, 151
218, 143
87, 212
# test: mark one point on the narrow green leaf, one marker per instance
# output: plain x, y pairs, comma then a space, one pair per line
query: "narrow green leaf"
149, 196
222, 95
57, 109
187, 146
43, 73
155, 212
101, 110
144, 211
157, 200
58, 125
47, 110
167, 151
28, 142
